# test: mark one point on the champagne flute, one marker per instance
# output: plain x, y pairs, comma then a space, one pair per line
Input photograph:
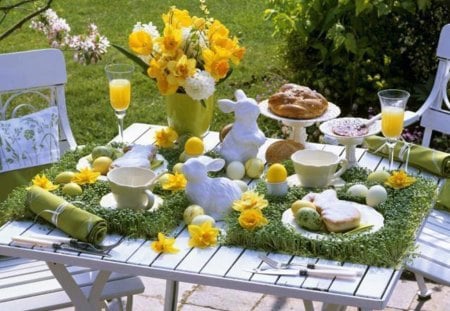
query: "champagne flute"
393, 103
119, 76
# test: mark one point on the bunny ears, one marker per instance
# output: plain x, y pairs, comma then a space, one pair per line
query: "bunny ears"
227, 105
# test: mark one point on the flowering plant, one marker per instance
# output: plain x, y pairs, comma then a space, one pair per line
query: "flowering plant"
190, 56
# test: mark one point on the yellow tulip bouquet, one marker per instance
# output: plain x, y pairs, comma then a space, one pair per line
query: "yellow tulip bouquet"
190, 56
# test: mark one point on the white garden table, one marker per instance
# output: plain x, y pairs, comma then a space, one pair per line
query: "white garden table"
220, 266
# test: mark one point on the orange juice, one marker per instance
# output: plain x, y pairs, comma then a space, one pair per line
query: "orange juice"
120, 93
392, 121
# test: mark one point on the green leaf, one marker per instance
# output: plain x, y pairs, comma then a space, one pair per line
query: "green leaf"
361, 5
132, 57
350, 43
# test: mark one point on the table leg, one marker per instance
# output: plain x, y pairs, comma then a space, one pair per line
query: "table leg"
78, 298
308, 305
171, 299
333, 307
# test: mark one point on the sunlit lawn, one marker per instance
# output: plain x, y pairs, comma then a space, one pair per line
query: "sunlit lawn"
91, 117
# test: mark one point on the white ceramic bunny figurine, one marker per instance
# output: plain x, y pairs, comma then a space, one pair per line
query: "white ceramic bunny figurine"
244, 138
215, 195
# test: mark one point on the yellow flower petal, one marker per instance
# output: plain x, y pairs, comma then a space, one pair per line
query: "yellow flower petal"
166, 137
164, 244
203, 236
250, 200
85, 176
43, 182
175, 182
140, 42
399, 180
252, 219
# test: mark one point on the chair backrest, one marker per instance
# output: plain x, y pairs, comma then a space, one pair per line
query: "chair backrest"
34, 127
433, 114
26, 76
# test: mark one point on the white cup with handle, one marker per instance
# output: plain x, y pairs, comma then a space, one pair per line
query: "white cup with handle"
131, 187
317, 168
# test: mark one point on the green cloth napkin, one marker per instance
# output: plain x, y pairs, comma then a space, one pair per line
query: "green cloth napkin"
444, 196
74, 221
433, 161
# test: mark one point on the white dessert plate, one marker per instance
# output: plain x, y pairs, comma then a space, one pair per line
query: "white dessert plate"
108, 201
335, 182
332, 112
327, 129
369, 216
86, 161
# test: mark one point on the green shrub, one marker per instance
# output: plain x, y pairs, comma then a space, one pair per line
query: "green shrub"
348, 50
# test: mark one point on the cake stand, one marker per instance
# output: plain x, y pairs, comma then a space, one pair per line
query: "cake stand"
298, 126
350, 143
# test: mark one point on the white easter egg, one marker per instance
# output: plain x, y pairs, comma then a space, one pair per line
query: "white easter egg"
235, 170
191, 212
242, 185
376, 195
200, 219
358, 190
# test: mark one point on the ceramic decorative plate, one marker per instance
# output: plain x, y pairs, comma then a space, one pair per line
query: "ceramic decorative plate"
108, 201
332, 112
86, 161
369, 216
327, 129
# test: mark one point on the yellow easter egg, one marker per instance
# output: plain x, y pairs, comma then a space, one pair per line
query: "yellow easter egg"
276, 173
101, 165
72, 189
194, 146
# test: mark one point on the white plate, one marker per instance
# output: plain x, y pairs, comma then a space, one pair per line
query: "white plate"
108, 201
327, 129
86, 162
369, 216
332, 112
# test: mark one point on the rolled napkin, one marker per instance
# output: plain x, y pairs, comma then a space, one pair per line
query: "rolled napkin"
433, 161
443, 200
74, 221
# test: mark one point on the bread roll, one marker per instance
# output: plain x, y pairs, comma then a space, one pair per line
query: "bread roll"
297, 102
282, 150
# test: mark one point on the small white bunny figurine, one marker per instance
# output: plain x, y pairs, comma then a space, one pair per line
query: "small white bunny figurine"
215, 195
244, 138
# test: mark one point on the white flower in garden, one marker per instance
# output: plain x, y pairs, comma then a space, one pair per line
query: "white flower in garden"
200, 86
148, 28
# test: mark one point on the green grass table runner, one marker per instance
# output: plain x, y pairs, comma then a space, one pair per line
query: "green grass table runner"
403, 212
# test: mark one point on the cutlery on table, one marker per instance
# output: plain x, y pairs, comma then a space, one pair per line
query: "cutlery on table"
55, 245
307, 272
369, 122
75, 243
285, 265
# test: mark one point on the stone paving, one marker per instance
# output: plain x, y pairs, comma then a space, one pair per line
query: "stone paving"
194, 297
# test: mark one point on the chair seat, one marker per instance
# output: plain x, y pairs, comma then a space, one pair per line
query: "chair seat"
30, 285
434, 249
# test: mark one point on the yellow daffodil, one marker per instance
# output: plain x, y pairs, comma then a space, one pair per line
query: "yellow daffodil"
217, 29
156, 68
166, 137
140, 42
203, 236
252, 219
85, 176
180, 70
216, 64
198, 23
43, 182
250, 200
399, 180
165, 87
164, 244
171, 40
177, 18
175, 182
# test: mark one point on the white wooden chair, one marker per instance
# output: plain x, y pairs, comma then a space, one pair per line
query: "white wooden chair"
31, 82
433, 241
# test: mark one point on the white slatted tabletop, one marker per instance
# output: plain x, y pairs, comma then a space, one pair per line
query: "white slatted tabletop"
220, 266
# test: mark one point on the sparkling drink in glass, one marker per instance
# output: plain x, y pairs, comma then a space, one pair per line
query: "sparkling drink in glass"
119, 76
393, 103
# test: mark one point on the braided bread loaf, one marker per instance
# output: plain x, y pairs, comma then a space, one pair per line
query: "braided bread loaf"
297, 102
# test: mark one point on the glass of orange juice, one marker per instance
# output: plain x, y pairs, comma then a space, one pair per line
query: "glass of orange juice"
393, 103
119, 76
